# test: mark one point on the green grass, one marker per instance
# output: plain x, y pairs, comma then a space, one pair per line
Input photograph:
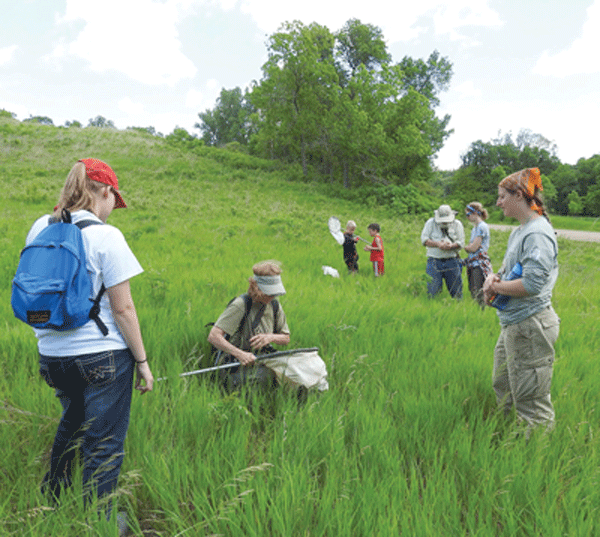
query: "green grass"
579, 223
407, 441
582, 223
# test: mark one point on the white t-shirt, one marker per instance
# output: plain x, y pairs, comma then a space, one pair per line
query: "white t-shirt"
109, 261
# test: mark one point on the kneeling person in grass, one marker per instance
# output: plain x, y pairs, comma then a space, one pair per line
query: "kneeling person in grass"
250, 324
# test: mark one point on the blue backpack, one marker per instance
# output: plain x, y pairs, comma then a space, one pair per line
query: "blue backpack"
52, 288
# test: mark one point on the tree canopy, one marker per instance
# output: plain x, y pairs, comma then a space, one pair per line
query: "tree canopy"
335, 103
486, 163
42, 120
101, 122
230, 120
568, 189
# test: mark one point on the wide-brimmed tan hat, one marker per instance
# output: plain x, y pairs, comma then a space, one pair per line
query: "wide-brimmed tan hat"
444, 214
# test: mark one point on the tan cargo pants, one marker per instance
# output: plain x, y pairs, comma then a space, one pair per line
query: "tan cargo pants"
523, 362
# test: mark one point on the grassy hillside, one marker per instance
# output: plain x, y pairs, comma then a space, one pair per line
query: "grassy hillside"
406, 442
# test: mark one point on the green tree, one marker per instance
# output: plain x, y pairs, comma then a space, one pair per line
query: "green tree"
229, 121
503, 151
575, 203
101, 122
527, 138
584, 179
42, 120
6, 113
358, 138
548, 192
181, 137
74, 123
592, 201
148, 130
359, 44
564, 179
336, 102
502, 155
297, 92
588, 174
429, 77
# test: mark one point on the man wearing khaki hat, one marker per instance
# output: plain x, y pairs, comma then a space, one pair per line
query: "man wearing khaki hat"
444, 236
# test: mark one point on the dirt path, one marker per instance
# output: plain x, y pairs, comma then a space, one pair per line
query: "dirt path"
588, 236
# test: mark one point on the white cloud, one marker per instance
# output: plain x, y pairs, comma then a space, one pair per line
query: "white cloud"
478, 119
7, 53
467, 90
450, 18
21, 111
129, 107
465, 13
166, 122
403, 20
200, 100
212, 84
195, 99
582, 57
136, 37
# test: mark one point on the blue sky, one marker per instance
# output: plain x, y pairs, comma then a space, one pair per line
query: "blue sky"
532, 64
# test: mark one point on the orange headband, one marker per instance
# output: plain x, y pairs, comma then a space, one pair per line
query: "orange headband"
527, 181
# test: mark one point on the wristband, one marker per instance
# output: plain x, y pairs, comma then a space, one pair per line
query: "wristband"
141, 361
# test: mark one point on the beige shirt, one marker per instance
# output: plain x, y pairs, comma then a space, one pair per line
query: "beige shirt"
433, 231
230, 320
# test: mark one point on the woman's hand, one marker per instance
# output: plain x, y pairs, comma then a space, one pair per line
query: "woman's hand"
144, 374
261, 340
245, 358
488, 287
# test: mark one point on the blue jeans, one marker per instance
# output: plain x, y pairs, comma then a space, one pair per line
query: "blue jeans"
449, 270
95, 393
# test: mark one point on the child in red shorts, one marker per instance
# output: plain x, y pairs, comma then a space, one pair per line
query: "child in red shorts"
376, 249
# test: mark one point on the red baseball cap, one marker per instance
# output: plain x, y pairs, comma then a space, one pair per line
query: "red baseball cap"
99, 171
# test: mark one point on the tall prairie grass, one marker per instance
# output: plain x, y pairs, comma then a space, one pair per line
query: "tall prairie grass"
407, 441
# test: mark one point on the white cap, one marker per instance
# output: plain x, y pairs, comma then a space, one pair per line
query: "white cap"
270, 285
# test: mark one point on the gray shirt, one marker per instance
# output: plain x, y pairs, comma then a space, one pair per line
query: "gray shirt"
435, 232
534, 246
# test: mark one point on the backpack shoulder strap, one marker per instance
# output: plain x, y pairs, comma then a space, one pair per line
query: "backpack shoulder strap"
82, 224
95, 311
248, 305
275, 304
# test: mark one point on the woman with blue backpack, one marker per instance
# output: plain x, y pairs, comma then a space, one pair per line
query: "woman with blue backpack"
90, 363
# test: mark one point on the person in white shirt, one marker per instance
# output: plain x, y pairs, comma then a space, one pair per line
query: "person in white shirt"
444, 236
93, 373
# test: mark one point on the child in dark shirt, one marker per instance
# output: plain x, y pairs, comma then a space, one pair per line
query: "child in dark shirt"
350, 254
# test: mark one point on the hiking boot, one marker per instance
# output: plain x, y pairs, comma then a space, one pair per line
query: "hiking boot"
122, 523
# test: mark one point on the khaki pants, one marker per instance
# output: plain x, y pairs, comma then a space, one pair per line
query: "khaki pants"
523, 361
